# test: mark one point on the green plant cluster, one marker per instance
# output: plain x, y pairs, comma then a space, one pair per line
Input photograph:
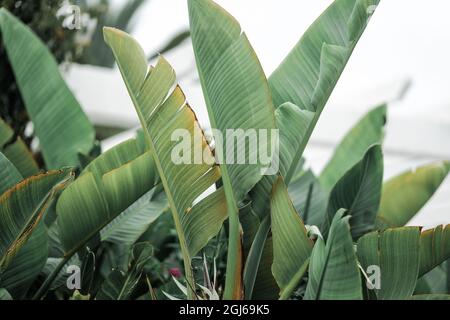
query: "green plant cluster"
139, 226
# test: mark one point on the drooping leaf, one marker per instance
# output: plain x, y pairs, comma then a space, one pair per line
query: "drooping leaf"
163, 112
396, 253
21, 210
291, 245
333, 270
434, 248
17, 152
107, 186
368, 131
59, 123
359, 191
403, 196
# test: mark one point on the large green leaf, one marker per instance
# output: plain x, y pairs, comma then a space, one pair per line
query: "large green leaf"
434, 248
29, 260
368, 131
22, 209
163, 111
291, 245
106, 187
359, 191
308, 75
129, 226
396, 253
403, 196
16, 151
333, 270
237, 96
59, 123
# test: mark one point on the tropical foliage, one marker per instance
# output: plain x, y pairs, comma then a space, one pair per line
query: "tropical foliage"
130, 223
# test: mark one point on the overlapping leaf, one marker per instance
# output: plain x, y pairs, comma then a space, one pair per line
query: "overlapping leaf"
397, 254
291, 245
107, 186
22, 209
368, 131
333, 270
59, 123
162, 110
359, 191
434, 248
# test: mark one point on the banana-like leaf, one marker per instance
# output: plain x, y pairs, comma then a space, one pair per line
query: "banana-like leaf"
163, 111
28, 262
121, 285
434, 248
333, 270
16, 151
106, 187
22, 209
396, 252
291, 245
59, 123
234, 85
308, 75
359, 191
368, 131
129, 226
403, 196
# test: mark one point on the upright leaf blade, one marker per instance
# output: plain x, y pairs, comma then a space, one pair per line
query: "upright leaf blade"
163, 111
291, 245
61, 126
333, 270
359, 191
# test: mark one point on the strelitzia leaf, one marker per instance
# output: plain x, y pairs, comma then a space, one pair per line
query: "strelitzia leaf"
396, 253
59, 123
308, 75
403, 196
107, 186
23, 207
162, 110
333, 270
291, 245
434, 248
367, 132
359, 191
